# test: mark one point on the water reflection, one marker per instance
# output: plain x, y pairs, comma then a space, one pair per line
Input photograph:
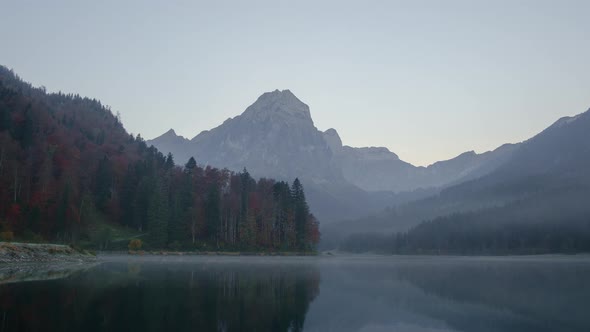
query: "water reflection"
453, 294
283, 294
196, 295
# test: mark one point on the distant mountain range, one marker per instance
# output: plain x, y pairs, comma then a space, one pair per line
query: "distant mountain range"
276, 137
545, 181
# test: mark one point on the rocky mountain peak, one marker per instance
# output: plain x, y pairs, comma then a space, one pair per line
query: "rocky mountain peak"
567, 120
333, 140
170, 132
279, 105
374, 153
169, 135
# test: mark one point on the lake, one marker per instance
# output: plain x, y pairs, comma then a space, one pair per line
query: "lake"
326, 293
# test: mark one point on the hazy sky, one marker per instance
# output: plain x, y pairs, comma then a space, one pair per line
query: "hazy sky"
427, 79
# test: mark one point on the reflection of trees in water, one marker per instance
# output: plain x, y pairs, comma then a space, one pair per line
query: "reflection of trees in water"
165, 298
552, 294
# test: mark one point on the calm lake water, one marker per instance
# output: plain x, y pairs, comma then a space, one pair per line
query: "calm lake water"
356, 293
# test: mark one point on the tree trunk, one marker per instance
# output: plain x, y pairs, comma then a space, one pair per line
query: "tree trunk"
1, 159
193, 230
15, 182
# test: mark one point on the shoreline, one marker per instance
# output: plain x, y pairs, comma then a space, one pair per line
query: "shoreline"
16, 253
208, 253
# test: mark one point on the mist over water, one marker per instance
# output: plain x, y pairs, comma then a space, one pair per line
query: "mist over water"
343, 293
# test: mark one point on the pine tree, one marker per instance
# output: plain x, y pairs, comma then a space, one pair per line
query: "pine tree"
249, 231
23, 130
301, 210
190, 165
158, 216
169, 162
212, 213
103, 183
5, 120
127, 199
61, 218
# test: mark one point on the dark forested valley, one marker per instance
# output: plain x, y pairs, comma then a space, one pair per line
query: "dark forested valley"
70, 173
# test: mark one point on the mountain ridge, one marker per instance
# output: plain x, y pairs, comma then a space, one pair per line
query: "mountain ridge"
369, 168
276, 136
550, 167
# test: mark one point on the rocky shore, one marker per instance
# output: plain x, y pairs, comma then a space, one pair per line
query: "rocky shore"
43, 253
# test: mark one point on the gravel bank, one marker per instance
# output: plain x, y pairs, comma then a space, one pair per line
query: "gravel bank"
44, 253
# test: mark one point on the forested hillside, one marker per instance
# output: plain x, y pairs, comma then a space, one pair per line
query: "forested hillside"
552, 221
69, 172
537, 202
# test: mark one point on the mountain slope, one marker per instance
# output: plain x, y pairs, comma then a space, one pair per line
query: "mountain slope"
553, 164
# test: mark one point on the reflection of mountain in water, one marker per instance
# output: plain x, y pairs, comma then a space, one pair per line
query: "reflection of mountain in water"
453, 294
165, 297
359, 293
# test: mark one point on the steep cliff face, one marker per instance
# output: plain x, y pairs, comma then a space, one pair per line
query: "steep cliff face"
275, 137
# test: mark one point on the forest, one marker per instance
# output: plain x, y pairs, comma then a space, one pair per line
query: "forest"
70, 173
551, 221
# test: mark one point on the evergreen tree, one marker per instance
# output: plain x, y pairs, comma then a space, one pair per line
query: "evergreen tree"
103, 183
5, 121
180, 211
23, 130
169, 162
212, 213
61, 218
190, 165
158, 216
130, 183
301, 211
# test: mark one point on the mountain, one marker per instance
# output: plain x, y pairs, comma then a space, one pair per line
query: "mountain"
276, 136
545, 180
169, 141
70, 172
378, 169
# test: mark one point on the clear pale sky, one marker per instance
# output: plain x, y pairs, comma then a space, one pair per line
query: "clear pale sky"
427, 79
